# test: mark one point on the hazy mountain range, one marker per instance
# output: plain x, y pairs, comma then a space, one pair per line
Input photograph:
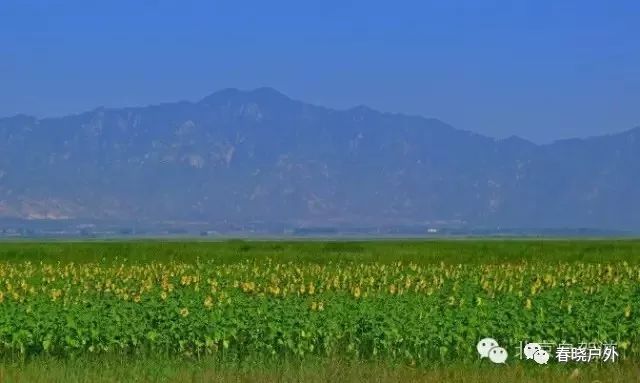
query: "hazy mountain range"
245, 156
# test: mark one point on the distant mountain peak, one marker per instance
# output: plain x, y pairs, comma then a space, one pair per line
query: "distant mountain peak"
263, 94
220, 95
267, 91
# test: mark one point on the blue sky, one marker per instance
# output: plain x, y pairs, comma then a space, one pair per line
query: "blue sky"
542, 70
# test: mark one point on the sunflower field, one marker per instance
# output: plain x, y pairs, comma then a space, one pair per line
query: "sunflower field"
272, 305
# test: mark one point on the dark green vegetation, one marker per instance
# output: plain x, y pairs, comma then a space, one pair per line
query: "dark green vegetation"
470, 251
410, 309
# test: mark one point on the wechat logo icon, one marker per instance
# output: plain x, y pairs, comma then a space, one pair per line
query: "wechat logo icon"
489, 348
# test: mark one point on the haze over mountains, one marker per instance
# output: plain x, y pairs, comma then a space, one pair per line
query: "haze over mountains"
247, 156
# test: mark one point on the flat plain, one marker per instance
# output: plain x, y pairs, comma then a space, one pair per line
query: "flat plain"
398, 310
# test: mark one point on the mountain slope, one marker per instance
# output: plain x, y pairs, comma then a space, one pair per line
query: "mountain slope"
243, 156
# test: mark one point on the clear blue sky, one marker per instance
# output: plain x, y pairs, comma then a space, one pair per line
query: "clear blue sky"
538, 69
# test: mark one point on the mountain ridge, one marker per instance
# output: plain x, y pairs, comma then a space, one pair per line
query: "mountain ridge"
259, 155
280, 94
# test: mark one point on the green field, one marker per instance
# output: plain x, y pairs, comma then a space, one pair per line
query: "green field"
313, 310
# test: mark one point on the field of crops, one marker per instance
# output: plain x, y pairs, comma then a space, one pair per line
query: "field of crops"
415, 303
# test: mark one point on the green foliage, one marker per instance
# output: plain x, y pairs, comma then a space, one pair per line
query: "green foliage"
371, 300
